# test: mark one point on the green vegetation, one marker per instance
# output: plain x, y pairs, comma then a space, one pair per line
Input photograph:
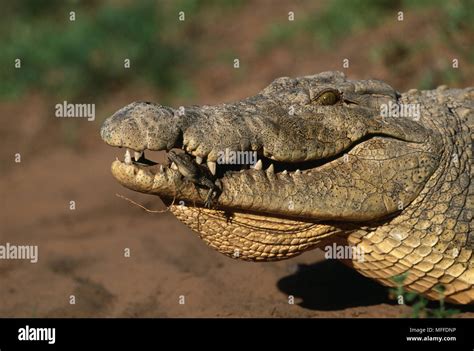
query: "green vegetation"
343, 17
418, 303
435, 77
426, 59
337, 19
403, 58
85, 57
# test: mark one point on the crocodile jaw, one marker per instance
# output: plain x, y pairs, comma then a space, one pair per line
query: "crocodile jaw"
312, 202
430, 239
355, 166
237, 234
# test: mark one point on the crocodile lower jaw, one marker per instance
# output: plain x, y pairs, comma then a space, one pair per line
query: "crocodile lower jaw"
144, 175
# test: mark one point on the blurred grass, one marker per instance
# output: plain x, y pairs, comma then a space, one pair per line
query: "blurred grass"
337, 19
419, 304
85, 57
426, 58
343, 17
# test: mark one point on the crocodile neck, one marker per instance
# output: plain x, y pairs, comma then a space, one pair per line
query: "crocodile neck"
433, 236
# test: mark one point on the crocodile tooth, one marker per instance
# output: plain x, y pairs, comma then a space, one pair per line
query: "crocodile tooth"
198, 160
271, 169
137, 155
128, 158
298, 171
174, 166
212, 167
285, 172
258, 165
162, 169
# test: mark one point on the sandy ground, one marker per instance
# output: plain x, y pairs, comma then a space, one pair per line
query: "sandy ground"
81, 251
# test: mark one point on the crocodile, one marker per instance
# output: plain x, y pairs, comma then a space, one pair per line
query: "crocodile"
347, 162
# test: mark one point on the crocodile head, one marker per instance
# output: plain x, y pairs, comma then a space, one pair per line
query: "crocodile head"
304, 161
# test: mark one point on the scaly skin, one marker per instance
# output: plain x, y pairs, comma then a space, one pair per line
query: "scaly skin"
398, 188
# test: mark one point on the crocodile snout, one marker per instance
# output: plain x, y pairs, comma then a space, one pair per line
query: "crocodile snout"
142, 125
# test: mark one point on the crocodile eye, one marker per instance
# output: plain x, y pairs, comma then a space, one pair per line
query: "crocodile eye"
328, 97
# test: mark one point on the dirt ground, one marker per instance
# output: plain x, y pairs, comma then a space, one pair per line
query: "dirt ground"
81, 251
